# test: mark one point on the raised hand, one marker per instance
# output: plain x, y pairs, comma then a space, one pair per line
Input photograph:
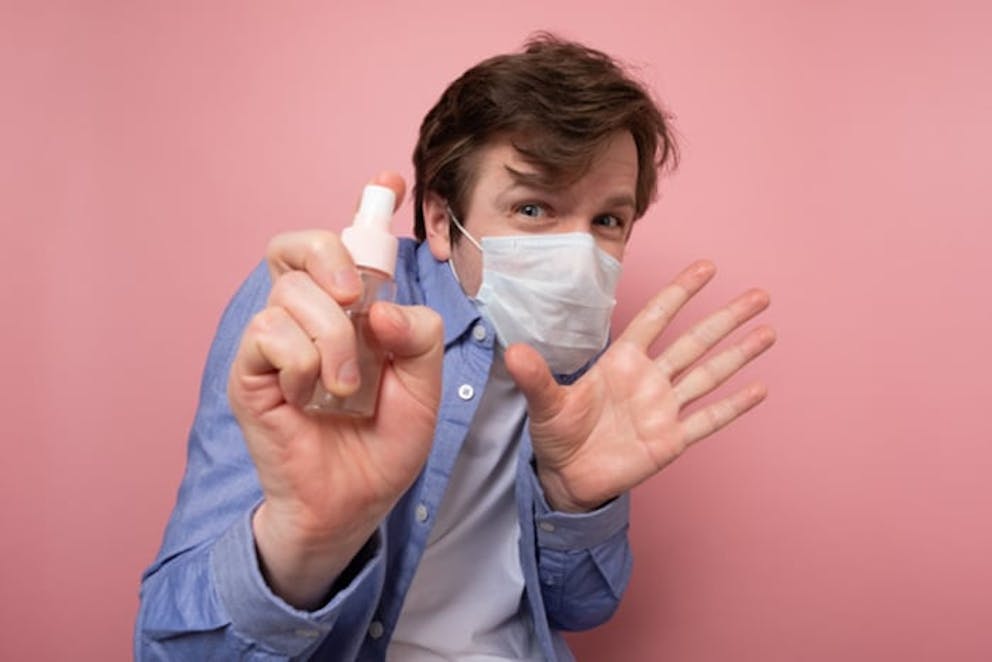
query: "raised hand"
623, 421
328, 481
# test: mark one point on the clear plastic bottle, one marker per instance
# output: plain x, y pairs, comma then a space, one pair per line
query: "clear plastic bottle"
373, 250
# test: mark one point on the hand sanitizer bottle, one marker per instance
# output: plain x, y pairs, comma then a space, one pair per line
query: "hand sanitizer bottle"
373, 250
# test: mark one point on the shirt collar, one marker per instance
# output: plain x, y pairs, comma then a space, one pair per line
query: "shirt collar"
445, 295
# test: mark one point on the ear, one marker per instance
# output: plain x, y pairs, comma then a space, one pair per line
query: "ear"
437, 225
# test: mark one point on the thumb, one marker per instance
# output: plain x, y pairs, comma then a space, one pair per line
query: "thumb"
414, 335
545, 396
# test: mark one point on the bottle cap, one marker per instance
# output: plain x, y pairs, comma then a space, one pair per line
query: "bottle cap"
368, 238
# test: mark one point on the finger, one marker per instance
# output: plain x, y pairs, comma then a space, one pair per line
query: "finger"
320, 254
655, 316
326, 324
706, 377
703, 336
274, 343
413, 335
708, 420
545, 397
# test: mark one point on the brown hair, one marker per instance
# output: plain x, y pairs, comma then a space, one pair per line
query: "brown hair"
559, 101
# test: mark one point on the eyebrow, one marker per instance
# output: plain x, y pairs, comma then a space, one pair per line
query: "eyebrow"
537, 180
620, 200
533, 179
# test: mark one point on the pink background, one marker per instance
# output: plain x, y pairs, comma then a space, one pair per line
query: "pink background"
834, 153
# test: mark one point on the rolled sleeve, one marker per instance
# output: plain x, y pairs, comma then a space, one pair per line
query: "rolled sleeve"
584, 560
259, 615
568, 531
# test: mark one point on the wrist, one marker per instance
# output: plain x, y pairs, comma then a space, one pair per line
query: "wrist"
559, 497
299, 566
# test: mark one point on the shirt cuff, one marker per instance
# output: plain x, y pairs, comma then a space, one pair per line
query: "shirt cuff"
259, 615
566, 531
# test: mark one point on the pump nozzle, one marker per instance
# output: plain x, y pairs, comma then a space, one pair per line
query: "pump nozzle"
368, 239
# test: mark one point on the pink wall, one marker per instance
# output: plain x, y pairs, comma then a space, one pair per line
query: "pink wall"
834, 153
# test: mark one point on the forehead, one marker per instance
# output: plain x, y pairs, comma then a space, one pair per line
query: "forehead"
611, 163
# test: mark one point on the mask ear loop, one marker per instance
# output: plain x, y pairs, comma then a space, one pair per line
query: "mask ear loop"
461, 228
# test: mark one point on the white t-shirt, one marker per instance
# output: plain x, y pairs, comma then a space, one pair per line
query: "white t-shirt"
466, 601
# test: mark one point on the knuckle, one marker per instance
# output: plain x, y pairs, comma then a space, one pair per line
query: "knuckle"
293, 281
284, 285
302, 363
273, 249
740, 355
658, 309
324, 246
266, 321
701, 337
284, 250
723, 412
713, 419
338, 336
709, 377
710, 331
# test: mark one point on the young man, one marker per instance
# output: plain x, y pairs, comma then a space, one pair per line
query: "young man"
484, 507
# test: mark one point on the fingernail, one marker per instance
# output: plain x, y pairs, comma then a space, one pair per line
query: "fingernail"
346, 281
348, 373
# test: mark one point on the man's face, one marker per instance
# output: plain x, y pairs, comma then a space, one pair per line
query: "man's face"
601, 203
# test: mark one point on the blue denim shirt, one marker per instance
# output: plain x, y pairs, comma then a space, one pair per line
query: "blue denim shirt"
204, 597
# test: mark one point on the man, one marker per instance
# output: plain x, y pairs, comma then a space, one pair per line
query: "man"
483, 508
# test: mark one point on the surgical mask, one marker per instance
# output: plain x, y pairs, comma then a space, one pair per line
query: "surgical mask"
554, 292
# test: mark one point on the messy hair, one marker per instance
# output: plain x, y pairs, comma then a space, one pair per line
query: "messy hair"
560, 103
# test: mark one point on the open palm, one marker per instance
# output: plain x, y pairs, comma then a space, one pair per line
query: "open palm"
623, 421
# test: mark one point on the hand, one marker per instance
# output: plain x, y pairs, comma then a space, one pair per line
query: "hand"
327, 481
623, 421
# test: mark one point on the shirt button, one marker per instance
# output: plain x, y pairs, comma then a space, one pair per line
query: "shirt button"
376, 630
547, 526
479, 332
421, 513
465, 391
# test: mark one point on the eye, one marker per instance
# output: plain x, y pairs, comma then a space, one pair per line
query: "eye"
531, 209
609, 221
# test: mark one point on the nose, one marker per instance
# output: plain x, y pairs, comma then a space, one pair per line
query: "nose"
575, 223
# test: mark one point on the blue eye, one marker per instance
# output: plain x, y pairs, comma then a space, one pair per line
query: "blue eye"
609, 221
532, 210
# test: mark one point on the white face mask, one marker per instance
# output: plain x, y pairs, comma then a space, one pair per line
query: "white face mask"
554, 292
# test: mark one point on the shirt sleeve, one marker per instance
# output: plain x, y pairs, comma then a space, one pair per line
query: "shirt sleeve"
584, 560
204, 596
